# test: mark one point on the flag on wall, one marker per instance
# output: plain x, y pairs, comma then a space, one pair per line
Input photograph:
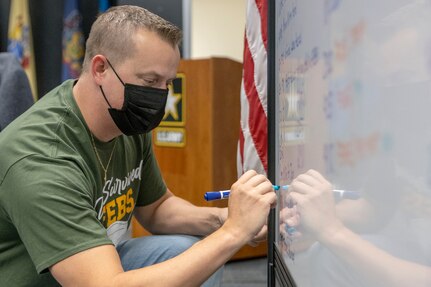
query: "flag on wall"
73, 41
20, 41
252, 145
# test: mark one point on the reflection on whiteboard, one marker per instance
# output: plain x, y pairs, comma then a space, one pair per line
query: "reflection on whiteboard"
353, 95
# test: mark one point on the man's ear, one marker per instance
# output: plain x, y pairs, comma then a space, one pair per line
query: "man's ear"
99, 65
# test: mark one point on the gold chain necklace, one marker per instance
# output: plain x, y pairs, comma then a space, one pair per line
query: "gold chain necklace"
105, 169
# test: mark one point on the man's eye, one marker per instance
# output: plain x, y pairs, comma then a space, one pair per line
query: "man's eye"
150, 81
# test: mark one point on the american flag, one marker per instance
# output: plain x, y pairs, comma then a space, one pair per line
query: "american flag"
252, 145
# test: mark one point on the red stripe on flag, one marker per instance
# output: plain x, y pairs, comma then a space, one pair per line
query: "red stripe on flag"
257, 118
262, 6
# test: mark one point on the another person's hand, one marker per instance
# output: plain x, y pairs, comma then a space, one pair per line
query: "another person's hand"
292, 237
289, 222
313, 199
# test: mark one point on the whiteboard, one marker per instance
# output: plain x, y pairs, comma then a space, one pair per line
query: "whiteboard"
353, 101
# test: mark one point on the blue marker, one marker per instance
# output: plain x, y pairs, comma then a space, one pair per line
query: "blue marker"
215, 195
338, 193
222, 194
277, 187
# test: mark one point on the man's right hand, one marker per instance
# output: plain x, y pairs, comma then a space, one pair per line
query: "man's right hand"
250, 200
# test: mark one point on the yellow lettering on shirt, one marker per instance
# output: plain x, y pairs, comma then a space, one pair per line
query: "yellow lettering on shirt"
110, 212
130, 201
121, 206
118, 208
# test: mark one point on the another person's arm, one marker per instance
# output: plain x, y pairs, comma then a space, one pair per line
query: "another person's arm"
312, 194
251, 198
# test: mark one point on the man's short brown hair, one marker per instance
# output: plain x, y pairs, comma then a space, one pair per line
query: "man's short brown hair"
113, 31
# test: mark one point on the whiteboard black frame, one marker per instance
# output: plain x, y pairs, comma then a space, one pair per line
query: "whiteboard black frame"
271, 133
277, 269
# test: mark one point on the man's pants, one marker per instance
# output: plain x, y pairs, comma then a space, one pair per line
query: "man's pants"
148, 250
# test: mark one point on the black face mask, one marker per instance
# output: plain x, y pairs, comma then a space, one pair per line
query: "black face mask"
143, 108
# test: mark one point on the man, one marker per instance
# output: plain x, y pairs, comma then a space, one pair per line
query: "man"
78, 164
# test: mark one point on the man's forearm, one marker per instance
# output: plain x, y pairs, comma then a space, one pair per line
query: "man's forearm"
101, 266
176, 215
190, 268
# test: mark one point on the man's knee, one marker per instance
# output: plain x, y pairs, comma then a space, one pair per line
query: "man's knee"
144, 251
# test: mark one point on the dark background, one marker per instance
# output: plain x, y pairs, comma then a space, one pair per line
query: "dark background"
47, 27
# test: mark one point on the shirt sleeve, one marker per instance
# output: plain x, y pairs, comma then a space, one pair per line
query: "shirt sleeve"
49, 202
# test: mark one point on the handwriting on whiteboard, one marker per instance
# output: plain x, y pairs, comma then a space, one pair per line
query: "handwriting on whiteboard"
310, 60
292, 46
349, 40
330, 7
353, 150
287, 18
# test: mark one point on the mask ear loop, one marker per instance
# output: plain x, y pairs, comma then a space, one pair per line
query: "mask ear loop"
105, 97
115, 72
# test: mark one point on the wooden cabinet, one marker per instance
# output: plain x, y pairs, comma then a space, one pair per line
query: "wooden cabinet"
196, 145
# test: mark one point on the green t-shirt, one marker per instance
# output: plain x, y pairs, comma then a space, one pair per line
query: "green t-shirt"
54, 201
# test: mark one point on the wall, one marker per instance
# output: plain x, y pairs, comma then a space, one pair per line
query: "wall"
217, 28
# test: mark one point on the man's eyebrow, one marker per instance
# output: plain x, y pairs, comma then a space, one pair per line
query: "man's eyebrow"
148, 74
153, 74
